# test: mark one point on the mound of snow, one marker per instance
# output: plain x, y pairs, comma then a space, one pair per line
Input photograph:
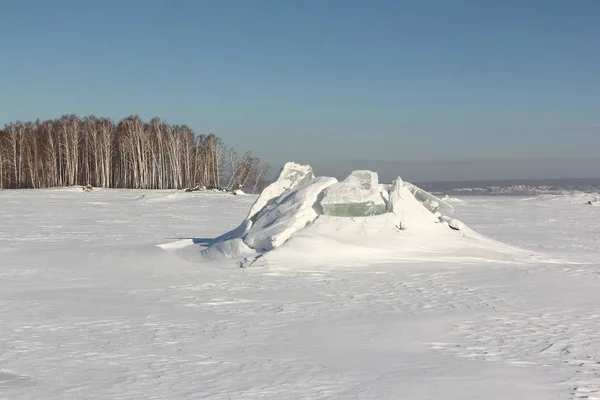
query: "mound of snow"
226, 248
299, 212
407, 209
455, 224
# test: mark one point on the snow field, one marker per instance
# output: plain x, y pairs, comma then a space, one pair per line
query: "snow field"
91, 308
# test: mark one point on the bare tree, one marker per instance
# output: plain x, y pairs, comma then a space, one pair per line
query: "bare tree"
259, 177
5, 160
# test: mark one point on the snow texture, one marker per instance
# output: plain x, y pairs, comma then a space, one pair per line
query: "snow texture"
90, 308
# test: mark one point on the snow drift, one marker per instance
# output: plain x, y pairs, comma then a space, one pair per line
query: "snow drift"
303, 216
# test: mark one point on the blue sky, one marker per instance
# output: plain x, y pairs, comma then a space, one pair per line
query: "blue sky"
325, 82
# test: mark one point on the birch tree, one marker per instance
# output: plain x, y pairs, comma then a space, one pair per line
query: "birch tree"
129, 154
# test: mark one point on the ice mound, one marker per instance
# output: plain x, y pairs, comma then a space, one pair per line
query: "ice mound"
282, 208
406, 207
286, 214
299, 207
358, 195
431, 202
291, 176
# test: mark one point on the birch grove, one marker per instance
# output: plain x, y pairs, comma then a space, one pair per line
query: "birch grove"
129, 154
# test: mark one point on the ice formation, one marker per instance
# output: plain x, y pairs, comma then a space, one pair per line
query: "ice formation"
406, 207
296, 199
292, 175
358, 195
431, 202
455, 224
286, 214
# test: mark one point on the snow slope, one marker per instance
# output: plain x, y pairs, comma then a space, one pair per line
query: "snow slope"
91, 308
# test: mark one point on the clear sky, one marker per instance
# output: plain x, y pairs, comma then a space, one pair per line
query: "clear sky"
325, 82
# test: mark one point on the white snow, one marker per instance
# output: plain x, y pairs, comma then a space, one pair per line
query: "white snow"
91, 308
408, 210
453, 200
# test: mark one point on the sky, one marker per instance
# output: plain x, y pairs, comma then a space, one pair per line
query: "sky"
480, 87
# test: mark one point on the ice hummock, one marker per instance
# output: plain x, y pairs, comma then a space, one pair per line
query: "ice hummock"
290, 176
406, 207
285, 206
286, 215
431, 202
297, 199
358, 195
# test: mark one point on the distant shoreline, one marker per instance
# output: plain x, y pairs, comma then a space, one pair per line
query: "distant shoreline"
514, 187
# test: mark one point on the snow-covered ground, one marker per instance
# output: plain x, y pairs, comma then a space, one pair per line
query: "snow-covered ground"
91, 308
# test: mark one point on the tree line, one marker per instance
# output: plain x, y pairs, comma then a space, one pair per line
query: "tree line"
129, 154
